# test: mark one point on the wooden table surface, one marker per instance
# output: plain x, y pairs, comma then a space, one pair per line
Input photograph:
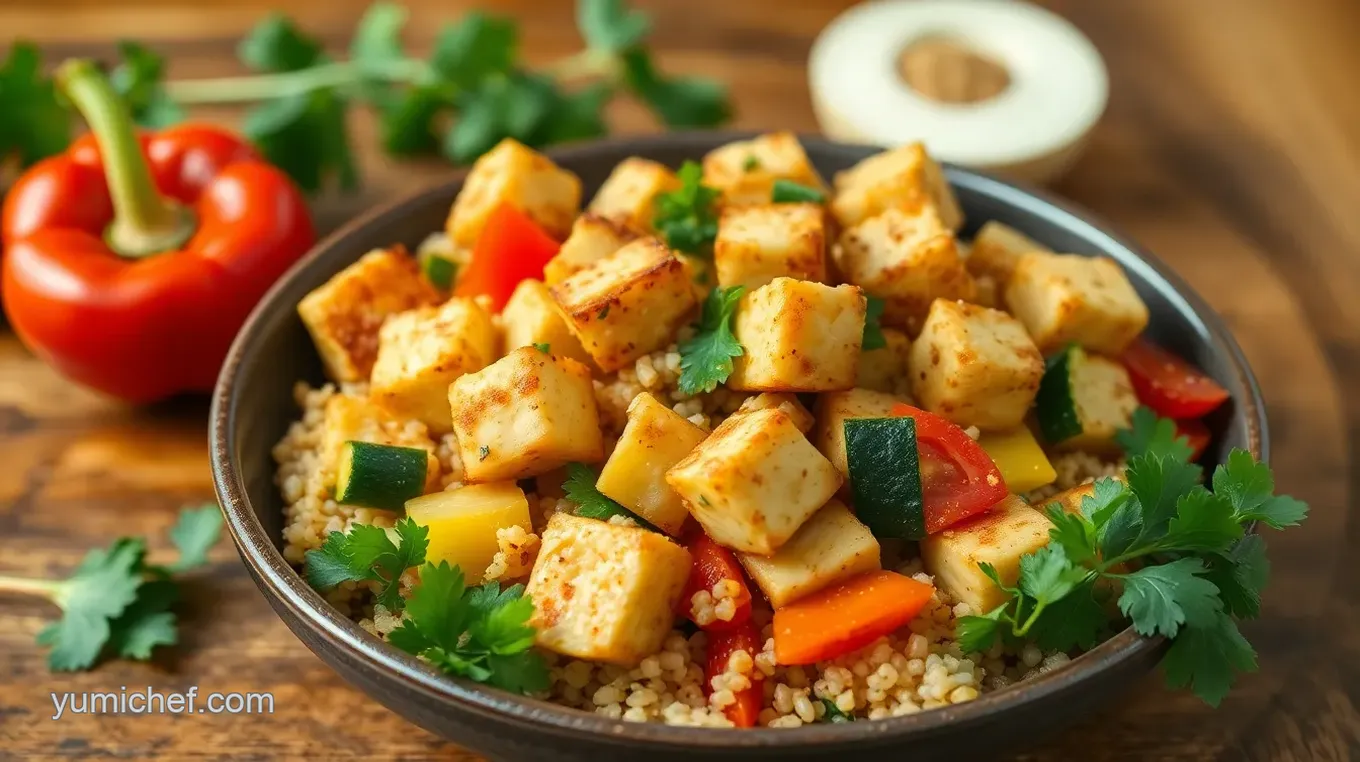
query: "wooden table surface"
1231, 148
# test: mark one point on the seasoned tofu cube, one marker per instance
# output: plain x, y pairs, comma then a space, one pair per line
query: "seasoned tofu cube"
909, 259
786, 402
525, 414
759, 243
754, 481
344, 314
605, 592
832, 546
833, 410
1065, 298
904, 178
745, 170
628, 195
592, 238
998, 537
515, 174
654, 439
997, 249
975, 366
422, 351
885, 369
531, 317
348, 418
798, 336
628, 304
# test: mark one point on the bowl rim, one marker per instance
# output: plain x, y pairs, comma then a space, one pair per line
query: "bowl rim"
287, 588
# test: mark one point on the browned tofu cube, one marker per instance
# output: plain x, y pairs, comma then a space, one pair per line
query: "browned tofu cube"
905, 178
522, 177
759, 243
798, 336
628, 196
745, 170
592, 238
1067, 298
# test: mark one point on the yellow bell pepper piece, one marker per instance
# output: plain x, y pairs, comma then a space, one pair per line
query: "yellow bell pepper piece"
1022, 461
463, 523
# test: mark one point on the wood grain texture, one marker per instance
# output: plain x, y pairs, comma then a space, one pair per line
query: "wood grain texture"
1231, 149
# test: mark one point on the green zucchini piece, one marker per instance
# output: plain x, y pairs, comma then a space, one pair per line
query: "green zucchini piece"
1056, 403
885, 476
438, 269
380, 476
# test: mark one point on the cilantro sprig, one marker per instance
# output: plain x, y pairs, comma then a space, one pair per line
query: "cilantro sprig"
115, 604
590, 501
1172, 554
706, 358
369, 553
687, 217
471, 91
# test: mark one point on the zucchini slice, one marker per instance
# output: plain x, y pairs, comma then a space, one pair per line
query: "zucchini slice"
438, 269
1056, 403
885, 476
379, 476
1083, 400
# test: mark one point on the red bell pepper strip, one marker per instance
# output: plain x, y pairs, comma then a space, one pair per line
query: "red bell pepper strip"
712, 564
1172, 387
131, 261
958, 477
846, 617
511, 248
1196, 434
721, 645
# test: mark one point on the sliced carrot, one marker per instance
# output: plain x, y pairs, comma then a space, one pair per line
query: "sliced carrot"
846, 617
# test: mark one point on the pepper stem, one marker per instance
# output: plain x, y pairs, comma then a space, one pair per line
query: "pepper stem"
144, 221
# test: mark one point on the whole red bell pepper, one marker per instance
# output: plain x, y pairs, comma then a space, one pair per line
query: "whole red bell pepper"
130, 261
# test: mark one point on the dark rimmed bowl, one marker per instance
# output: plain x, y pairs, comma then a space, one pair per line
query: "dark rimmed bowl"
253, 405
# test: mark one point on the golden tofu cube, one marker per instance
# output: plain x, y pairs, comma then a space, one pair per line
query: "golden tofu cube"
344, 314
422, 351
628, 195
975, 366
905, 178
1065, 298
833, 410
907, 259
515, 174
592, 238
654, 439
798, 336
787, 402
348, 418
1104, 399
627, 304
759, 243
531, 317
754, 481
998, 537
997, 249
605, 592
745, 170
830, 547
525, 414
885, 369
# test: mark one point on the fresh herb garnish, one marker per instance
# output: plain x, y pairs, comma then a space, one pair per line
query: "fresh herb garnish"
1199, 571
543, 347
116, 604
834, 715
590, 502
369, 553
483, 453
687, 217
873, 327
789, 192
35, 124
706, 358
751, 163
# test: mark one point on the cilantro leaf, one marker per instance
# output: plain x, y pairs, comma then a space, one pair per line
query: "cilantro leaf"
789, 192
35, 124
1047, 574
1250, 487
408, 119
608, 25
1204, 522
687, 216
147, 622
590, 502
706, 358
1206, 656
479, 46
977, 633
377, 39
431, 606
1159, 599
105, 583
367, 552
1240, 575
577, 115
1158, 481
1152, 435
833, 714
194, 534
679, 101
1077, 620
1074, 533
138, 78
503, 629
992, 574
873, 328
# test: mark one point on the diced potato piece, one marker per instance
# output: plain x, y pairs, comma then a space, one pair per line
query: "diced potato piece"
516, 174
531, 317
654, 440
605, 592
909, 260
1064, 298
344, 315
628, 195
830, 547
463, 523
975, 366
348, 418
754, 481
1024, 465
1105, 403
798, 336
998, 537
833, 410
786, 402
422, 351
523, 415
592, 238
745, 170
904, 178
759, 243
997, 248
628, 304
885, 369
